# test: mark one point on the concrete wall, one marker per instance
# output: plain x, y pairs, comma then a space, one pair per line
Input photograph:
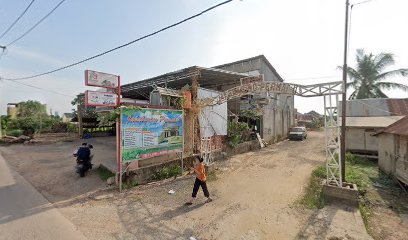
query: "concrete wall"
393, 155
401, 165
361, 139
386, 153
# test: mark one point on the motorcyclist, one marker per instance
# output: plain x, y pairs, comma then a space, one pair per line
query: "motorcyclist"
84, 153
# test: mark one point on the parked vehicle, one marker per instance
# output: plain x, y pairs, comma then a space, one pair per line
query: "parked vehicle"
298, 133
83, 159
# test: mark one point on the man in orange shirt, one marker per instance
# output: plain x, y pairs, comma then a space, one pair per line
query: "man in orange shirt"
199, 169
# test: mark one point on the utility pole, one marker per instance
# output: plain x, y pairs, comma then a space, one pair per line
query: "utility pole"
344, 100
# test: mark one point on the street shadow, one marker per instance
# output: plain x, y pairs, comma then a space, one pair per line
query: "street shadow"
18, 201
317, 224
151, 223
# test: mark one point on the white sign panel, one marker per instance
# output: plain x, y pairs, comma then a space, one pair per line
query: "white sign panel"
99, 79
213, 119
93, 98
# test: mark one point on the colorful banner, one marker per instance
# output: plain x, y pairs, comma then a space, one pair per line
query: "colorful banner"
148, 133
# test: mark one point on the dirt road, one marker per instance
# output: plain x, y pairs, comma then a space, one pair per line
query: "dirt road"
254, 198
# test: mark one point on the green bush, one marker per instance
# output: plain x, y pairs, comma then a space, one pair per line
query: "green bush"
104, 173
71, 127
313, 197
14, 132
235, 130
58, 127
167, 172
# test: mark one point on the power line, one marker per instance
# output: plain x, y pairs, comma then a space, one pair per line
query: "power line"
18, 18
43, 89
121, 46
35, 25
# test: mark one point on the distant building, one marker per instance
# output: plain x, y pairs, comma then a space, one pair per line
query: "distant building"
12, 110
393, 150
67, 117
307, 119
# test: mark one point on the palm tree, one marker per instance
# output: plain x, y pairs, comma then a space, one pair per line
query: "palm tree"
367, 79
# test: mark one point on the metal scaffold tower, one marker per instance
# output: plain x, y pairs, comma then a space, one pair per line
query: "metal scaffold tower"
206, 147
332, 131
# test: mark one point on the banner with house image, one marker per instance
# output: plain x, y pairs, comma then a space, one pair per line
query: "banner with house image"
148, 133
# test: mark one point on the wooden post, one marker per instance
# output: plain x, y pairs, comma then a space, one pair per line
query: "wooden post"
80, 127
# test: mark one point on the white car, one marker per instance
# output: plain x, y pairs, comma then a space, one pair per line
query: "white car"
297, 133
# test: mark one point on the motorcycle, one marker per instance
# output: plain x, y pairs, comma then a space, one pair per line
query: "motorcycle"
83, 166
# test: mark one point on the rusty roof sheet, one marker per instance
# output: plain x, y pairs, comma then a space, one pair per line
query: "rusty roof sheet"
398, 107
400, 127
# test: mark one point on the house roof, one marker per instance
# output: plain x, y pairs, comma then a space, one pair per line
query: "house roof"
262, 57
207, 77
371, 122
399, 128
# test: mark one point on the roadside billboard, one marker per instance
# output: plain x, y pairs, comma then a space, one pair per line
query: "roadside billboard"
106, 99
99, 79
148, 133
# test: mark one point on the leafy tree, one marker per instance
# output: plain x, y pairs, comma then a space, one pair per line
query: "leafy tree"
250, 114
31, 108
368, 78
4, 121
108, 118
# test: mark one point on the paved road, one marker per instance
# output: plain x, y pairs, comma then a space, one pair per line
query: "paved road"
26, 214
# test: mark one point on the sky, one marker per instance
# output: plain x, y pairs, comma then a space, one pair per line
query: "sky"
303, 40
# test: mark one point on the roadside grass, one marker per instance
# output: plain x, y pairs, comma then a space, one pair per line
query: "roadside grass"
313, 197
376, 189
104, 173
364, 173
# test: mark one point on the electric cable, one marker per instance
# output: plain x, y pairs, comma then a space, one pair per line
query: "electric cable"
36, 24
121, 46
18, 18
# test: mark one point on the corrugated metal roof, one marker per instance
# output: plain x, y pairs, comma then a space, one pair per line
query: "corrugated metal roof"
261, 57
371, 122
400, 127
376, 107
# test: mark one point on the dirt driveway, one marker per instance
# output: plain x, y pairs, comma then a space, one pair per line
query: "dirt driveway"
50, 167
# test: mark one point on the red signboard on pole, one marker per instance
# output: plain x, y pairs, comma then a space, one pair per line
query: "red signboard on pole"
107, 99
100, 79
